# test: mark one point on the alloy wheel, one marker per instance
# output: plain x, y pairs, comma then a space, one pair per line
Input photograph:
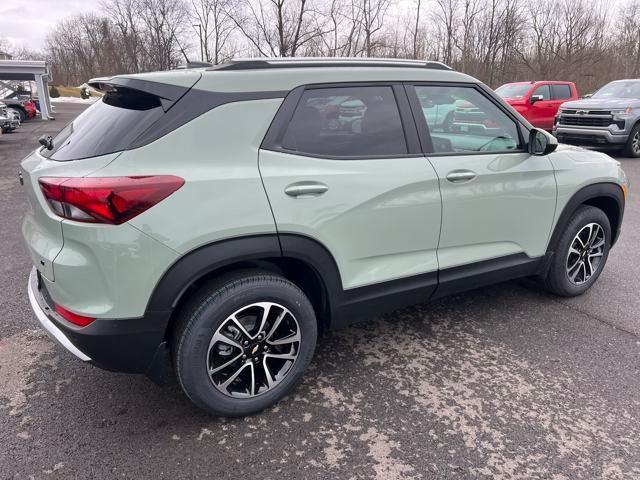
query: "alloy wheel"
585, 253
635, 143
253, 350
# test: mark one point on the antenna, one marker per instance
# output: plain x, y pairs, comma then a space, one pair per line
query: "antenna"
180, 47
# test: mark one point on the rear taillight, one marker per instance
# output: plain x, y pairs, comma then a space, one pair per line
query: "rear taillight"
113, 200
79, 320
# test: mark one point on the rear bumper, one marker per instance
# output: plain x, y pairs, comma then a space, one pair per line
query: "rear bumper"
44, 315
130, 345
588, 136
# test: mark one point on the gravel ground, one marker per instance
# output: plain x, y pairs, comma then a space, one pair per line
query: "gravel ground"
502, 382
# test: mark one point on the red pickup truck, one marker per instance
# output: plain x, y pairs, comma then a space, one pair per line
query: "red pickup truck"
539, 101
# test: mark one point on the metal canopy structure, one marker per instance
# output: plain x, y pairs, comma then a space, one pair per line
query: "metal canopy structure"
30, 70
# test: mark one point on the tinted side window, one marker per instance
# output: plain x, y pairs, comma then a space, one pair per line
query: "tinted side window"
561, 92
108, 126
346, 122
544, 91
462, 120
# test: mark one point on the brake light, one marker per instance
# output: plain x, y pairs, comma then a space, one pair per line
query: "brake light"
112, 200
79, 320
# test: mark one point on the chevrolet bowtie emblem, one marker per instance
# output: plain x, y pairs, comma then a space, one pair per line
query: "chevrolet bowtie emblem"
254, 350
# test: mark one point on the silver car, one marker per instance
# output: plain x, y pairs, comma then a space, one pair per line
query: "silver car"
611, 116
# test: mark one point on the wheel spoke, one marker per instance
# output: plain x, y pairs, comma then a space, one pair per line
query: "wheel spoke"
234, 319
573, 275
276, 324
595, 231
234, 376
599, 243
266, 308
219, 337
573, 251
281, 356
252, 391
577, 261
224, 365
295, 337
267, 373
597, 254
588, 262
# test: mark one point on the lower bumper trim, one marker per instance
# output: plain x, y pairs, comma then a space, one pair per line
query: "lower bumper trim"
53, 331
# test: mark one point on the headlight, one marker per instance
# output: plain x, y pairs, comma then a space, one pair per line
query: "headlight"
622, 111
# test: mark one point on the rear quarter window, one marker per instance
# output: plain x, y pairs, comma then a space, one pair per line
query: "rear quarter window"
108, 126
561, 92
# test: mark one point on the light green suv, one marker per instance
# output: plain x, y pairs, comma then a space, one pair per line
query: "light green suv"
212, 220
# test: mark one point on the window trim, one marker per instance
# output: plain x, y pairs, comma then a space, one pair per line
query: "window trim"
548, 85
424, 132
553, 86
275, 134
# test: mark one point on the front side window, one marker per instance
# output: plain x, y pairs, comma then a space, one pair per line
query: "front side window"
346, 122
542, 91
476, 124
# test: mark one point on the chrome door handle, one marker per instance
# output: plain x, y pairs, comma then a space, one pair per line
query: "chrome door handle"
461, 176
305, 189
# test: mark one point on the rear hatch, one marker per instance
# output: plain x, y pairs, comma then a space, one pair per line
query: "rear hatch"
130, 108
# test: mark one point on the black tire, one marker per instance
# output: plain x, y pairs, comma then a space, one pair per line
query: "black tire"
632, 147
21, 112
208, 310
557, 280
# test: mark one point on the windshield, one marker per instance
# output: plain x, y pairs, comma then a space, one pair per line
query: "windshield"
619, 89
513, 90
108, 126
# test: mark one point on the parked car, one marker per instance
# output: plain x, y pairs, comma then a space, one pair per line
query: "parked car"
25, 108
611, 116
162, 233
538, 101
4, 118
9, 120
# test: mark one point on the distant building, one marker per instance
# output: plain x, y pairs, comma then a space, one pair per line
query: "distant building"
5, 56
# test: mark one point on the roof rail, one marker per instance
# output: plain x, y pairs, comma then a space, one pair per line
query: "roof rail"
194, 64
317, 62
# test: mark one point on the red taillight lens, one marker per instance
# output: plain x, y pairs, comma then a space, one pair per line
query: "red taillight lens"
113, 200
74, 318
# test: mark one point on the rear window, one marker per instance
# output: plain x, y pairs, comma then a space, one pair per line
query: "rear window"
346, 122
108, 126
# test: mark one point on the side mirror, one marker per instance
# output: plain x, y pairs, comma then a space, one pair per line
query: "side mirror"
587, 95
46, 141
541, 142
536, 98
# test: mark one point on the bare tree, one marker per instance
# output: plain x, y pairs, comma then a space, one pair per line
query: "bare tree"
217, 27
494, 40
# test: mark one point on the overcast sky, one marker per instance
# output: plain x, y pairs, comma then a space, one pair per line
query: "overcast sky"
27, 22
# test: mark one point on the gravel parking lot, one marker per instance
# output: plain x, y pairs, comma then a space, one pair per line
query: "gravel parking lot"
502, 382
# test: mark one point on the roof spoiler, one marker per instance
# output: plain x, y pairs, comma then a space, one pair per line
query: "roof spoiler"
168, 94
